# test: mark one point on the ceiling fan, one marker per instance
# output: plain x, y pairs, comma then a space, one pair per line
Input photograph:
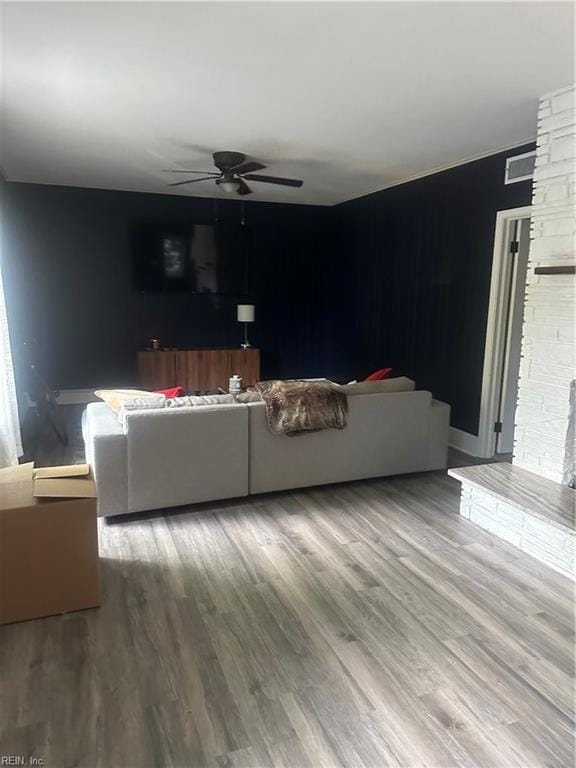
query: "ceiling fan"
233, 170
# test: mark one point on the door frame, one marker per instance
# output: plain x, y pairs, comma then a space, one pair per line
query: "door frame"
496, 330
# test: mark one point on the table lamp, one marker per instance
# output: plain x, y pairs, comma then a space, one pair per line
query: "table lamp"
245, 315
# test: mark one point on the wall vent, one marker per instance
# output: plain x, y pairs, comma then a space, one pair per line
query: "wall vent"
520, 167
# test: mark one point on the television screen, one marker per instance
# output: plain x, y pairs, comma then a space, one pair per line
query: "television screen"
198, 258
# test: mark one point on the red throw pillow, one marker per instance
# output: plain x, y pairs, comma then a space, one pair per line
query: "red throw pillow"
383, 373
173, 392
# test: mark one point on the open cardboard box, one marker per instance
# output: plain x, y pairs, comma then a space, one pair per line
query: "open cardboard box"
48, 541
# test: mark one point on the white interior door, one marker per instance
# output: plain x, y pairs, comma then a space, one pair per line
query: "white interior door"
518, 241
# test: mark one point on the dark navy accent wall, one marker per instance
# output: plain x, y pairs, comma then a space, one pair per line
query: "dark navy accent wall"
70, 293
419, 257
398, 278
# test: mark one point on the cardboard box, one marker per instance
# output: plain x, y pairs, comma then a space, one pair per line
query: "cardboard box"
48, 542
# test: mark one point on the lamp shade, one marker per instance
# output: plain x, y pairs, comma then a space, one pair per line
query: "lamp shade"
245, 313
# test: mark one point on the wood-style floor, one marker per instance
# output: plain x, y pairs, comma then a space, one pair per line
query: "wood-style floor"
355, 625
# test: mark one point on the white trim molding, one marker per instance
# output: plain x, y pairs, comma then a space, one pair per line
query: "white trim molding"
495, 333
463, 441
442, 168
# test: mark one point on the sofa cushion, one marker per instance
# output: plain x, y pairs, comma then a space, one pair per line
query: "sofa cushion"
140, 404
400, 384
143, 403
199, 400
115, 397
248, 397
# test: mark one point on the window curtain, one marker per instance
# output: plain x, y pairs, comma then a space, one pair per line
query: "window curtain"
10, 442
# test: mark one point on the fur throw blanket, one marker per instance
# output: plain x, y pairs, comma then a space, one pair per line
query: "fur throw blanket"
293, 407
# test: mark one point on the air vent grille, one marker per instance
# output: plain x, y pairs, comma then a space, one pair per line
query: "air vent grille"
520, 167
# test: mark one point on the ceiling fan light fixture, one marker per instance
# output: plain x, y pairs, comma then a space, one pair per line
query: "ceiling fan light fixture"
230, 186
233, 172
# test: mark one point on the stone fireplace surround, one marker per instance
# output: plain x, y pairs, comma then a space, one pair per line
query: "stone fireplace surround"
530, 503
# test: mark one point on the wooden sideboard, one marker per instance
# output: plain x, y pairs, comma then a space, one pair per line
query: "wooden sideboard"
198, 369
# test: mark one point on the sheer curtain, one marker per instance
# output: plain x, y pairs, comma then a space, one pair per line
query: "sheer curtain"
10, 443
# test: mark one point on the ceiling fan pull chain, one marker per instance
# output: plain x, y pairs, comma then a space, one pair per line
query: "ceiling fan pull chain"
242, 217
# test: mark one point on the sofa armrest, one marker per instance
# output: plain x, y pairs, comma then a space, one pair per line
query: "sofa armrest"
105, 445
438, 431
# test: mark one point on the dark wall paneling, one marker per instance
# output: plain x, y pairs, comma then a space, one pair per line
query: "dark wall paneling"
422, 255
70, 293
398, 278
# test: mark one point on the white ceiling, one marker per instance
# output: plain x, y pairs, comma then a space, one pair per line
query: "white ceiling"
350, 97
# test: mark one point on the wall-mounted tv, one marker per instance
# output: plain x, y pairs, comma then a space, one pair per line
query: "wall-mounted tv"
196, 258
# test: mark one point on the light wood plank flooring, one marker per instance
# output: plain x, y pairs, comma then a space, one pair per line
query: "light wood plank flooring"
360, 625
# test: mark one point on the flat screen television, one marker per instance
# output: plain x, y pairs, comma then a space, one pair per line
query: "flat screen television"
196, 258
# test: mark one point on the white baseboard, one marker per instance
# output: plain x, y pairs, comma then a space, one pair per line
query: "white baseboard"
464, 441
76, 397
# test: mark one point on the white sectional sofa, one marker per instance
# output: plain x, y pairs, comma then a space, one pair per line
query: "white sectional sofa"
172, 457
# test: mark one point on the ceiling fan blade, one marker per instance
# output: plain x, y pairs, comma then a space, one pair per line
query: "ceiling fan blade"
191, 181
226, 160
179, 170
248, 167
244, 189
274, 180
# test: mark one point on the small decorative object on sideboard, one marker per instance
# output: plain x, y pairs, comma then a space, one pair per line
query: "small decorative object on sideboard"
155, 344
245, 315
235, 385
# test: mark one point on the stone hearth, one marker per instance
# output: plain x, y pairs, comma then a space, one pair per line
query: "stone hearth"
532, 513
